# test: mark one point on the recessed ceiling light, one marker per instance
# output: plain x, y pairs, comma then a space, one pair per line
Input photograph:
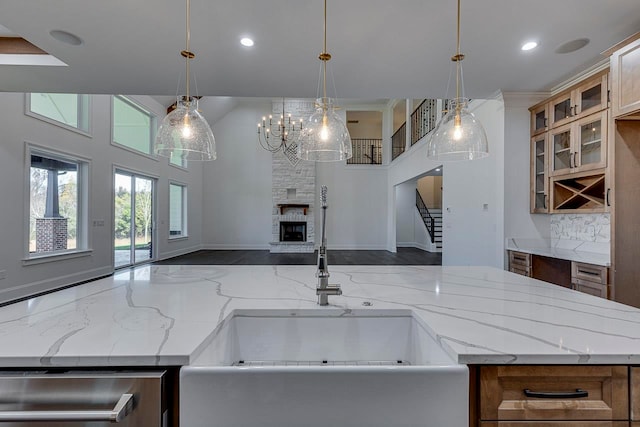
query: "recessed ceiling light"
438, 170
66, 37
529, 45
246, 41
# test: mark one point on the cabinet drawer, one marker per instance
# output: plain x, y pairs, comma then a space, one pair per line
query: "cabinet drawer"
520, 259
508, 393
635, 396
557, 424
523, 271
588, 273
590, 288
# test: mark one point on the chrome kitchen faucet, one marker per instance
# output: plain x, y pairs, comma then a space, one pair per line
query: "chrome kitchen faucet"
324, 289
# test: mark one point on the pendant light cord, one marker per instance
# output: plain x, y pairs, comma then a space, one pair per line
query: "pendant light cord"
324, 51
187, 53
457, 56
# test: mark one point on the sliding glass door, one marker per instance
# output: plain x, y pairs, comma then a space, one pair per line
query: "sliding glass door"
133, 218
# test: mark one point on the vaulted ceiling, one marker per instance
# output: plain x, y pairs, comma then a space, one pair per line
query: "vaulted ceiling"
380, 48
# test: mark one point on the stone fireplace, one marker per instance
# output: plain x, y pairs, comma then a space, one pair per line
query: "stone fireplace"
293, 192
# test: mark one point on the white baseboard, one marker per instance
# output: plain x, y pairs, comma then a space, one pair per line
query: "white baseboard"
356, 247
178, 252
232, 247
51, 284
428, 248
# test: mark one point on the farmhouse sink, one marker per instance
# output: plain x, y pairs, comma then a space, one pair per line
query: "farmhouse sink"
313, 368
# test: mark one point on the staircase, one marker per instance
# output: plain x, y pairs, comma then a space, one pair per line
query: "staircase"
432, 219
437, 227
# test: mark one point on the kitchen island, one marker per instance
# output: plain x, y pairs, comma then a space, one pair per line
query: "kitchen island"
164, 316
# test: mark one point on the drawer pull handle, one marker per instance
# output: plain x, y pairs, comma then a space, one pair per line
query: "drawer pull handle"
116, 415
590, 273
556, 394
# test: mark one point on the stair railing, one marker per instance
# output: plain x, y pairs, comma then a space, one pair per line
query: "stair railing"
428, 220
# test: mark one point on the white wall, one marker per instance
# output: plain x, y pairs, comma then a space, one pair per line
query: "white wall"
18, 129
357, 195
237, 186
237, 194
405, 207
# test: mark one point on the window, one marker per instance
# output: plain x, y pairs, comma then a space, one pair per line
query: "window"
177, 210
57, 219
176, 160
70, 110
133, 126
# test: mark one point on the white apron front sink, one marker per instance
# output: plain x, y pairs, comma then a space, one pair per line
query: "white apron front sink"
282, 368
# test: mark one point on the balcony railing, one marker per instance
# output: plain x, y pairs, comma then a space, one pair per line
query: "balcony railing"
399, 141
423, 119
366, 152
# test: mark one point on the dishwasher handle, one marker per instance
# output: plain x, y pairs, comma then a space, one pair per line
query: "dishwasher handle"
119, 412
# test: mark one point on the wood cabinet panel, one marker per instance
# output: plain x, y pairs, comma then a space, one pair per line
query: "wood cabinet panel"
557, 424
552, 270
635, 395
503, 396
625, 80
625, 218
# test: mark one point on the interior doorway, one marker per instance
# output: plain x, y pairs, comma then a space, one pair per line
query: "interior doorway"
134, 219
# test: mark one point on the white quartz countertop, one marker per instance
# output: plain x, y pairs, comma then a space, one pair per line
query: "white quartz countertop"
165, 315
596, 253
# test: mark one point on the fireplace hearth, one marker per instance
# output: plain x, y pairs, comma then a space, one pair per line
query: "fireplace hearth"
293, 231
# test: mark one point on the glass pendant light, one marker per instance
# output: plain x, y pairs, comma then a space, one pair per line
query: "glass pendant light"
325, 137
459, 135
184, 133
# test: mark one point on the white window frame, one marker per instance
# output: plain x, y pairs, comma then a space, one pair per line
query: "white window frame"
152, 126
82, 220
185, 210
84, 114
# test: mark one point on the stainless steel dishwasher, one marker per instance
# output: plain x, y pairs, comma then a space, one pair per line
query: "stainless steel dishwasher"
82, 398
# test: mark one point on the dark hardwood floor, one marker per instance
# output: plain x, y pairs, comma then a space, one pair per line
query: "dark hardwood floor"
404, 256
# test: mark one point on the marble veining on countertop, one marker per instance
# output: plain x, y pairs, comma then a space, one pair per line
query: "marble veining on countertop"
165, 315
597, 253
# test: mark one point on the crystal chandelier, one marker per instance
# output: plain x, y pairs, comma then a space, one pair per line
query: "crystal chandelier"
184, 133
282, 135
459, 135
325, 137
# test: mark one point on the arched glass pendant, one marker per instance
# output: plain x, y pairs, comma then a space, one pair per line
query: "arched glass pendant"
325, 137
458, 136
185, 134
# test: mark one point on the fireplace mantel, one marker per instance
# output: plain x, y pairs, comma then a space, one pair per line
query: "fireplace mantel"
283, 206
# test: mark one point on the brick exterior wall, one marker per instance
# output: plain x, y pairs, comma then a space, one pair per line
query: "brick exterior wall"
51, 234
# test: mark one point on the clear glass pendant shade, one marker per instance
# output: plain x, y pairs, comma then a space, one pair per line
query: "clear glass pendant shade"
185, 134
458, 136
325, 137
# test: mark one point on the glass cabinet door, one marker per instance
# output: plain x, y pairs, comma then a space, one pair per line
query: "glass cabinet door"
590, 132
561, 110
563, 156
539, 178
591, 97
539, 120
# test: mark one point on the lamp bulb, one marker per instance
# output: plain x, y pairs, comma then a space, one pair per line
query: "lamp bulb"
186, 127
324, 133
457, 127
457, 133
